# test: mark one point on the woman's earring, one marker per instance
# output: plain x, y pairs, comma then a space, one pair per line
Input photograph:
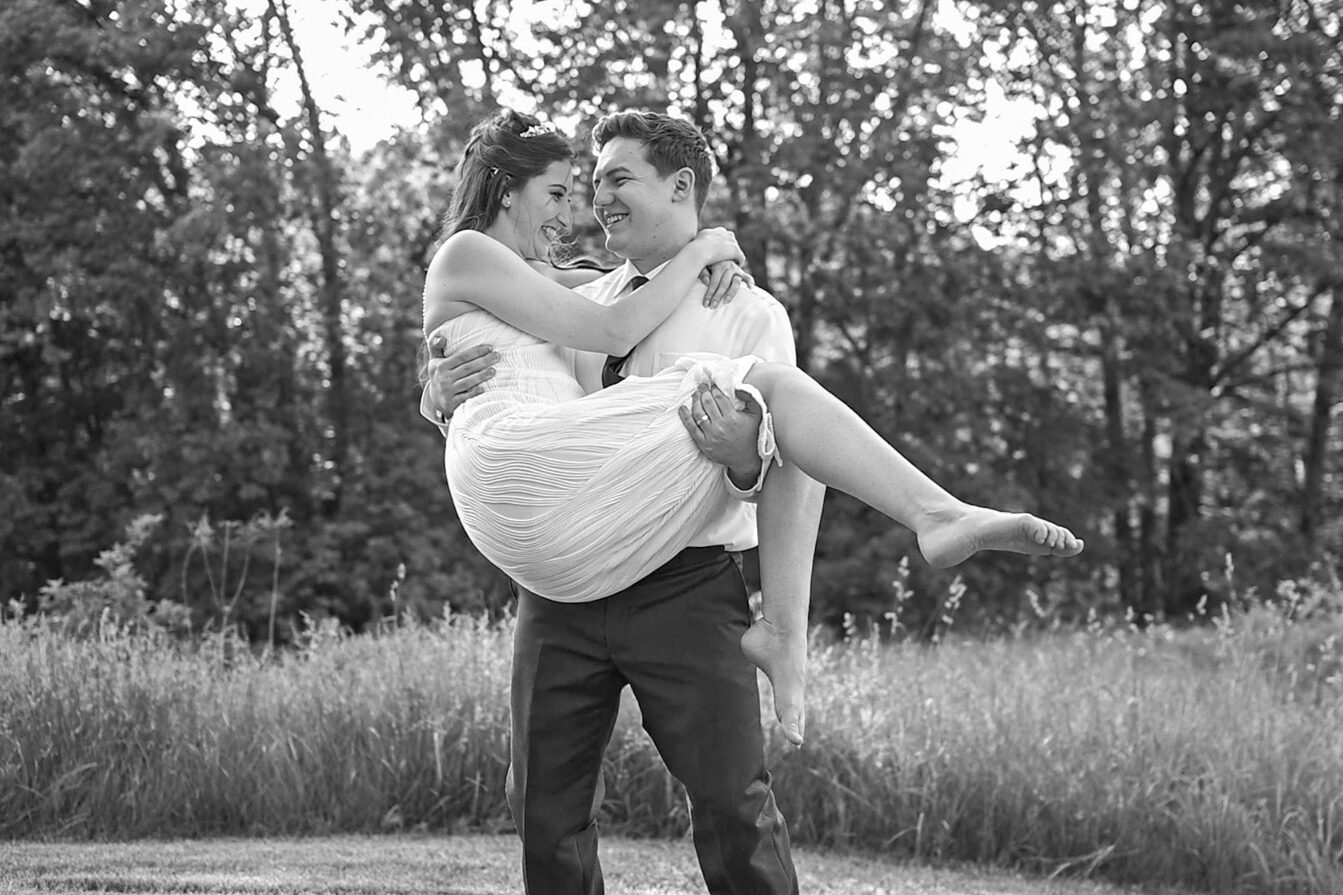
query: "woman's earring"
508, 203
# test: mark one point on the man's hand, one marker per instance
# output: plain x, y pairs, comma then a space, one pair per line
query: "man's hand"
724, 434
452, 380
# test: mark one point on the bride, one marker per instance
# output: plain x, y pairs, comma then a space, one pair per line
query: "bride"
541, 475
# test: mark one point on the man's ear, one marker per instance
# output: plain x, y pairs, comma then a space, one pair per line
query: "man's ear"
683, 185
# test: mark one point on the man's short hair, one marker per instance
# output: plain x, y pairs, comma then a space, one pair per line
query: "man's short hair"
670, 144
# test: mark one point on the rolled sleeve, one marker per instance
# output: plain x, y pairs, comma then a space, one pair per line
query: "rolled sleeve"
766, 333
747, 496
432, 415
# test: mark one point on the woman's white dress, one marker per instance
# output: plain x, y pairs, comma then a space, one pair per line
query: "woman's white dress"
577, 497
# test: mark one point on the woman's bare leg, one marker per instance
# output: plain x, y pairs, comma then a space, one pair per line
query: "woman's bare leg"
822, 437
832, 444
789, 513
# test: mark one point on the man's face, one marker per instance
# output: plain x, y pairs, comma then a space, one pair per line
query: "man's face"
638, 209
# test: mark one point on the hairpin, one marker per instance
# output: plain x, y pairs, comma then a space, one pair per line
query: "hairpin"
537, 130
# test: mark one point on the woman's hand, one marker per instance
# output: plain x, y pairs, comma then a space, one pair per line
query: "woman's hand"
722, 280
717, 244
722, 258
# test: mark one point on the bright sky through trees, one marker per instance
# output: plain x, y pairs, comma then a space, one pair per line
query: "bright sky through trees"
366, 108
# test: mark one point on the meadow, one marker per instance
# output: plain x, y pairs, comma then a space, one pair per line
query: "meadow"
1208, 757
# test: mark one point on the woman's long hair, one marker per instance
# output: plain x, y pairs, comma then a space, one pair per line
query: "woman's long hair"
504, 151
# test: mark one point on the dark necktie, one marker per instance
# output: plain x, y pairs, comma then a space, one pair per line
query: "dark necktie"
611, 369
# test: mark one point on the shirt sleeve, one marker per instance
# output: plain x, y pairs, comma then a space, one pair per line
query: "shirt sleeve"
753, 495
428, 412
766, 333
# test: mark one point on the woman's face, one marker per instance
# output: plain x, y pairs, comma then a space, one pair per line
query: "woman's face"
540, 210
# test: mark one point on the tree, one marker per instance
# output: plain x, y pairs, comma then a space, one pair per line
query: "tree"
1173, 120
93, 174
324, 213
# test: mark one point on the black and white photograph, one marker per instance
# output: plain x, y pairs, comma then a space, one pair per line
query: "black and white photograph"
769, 447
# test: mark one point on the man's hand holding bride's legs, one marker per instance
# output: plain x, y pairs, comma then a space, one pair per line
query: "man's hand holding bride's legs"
725, 434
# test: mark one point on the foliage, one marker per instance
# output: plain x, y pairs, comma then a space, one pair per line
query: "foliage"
217, 547
171, 356
209, 305
115, 602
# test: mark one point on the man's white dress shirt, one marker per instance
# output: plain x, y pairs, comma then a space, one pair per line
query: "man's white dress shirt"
752, 323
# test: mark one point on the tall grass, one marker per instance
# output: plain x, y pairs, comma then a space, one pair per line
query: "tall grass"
1115, 755
1207, 760
127, 736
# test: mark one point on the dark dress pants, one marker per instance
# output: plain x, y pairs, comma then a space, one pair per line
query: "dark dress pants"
674, 638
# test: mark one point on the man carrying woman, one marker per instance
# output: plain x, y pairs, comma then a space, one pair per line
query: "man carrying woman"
606, 513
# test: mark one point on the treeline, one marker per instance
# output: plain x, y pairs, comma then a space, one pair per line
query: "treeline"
210, 305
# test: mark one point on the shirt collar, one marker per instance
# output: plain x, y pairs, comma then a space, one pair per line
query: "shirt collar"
629, 272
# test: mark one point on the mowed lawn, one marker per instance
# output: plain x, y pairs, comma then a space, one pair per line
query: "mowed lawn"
454, 865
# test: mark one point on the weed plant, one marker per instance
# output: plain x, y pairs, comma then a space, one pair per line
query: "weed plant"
1209, 758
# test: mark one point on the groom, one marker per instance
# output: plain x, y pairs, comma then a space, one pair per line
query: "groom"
674, 636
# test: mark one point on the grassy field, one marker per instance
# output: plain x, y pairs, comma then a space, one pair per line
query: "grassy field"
460, 865
1210, 759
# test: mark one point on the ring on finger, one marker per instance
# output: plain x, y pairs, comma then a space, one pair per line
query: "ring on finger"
701, 419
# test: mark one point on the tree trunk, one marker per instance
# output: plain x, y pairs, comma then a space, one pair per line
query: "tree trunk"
325, 224
1321, 418
1189, 443
749, 176
804, 321
1182, 574
1117, 465
1148, 554
1092, 168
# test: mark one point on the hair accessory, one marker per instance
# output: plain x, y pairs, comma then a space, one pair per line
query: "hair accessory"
537, 130
494, 171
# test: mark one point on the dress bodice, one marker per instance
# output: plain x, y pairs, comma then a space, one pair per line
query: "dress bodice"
529, 371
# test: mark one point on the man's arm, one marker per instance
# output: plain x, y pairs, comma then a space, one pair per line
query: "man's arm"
452, 380
725, 433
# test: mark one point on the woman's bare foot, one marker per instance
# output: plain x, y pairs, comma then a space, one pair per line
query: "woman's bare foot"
783, 658
947, 543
